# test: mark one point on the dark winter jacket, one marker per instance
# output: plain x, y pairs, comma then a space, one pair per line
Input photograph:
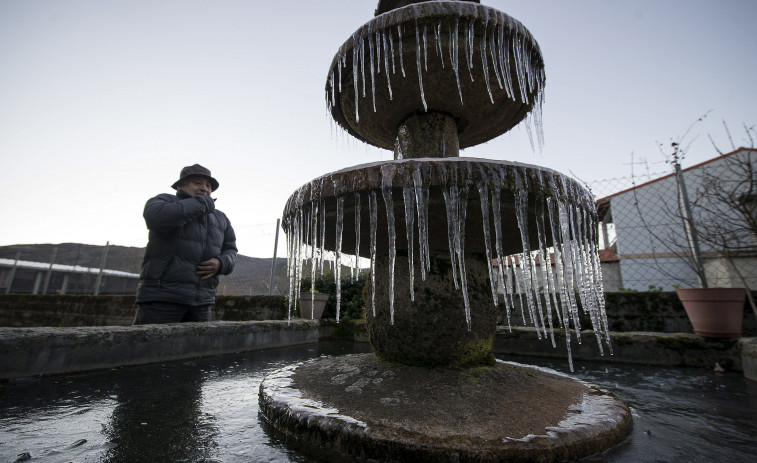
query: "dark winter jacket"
184, 231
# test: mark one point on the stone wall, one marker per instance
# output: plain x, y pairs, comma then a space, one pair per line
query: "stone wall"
660, 312
23, 310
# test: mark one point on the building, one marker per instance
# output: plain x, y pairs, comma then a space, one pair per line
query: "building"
658, 248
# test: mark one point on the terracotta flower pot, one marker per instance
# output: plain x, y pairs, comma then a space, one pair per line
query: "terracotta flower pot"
312, 305
714, 312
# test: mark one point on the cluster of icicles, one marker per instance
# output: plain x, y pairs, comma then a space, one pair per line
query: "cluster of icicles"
500, 38
567, 214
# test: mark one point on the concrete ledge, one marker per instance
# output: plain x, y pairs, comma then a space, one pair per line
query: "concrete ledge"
749, 358
42, 351
666, 349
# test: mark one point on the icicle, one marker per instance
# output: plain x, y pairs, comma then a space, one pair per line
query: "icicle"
373, 76
425, 49
504, 61
378, 52
322, 228
484, 65
521, 204
290, 266
339, 66
313, 245
373, 211
422, 207
501, 258
409, 201
437, 42
391, 49
552, 209
386, 63
460, 249
355, 76
544, 264
454, 38
402, 58
357, 236
567, 260
387, 174
299, 252
451, 228
307, 230
469, 47
483, 193
418, 63
331, 85
493, 54
362, 63
338, 261
520, 283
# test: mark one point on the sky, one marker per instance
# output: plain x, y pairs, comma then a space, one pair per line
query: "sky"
103, 102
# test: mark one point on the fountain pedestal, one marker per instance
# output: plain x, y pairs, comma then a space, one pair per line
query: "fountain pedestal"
432, 329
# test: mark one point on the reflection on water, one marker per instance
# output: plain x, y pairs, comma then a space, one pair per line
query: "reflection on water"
679, 414
207, 410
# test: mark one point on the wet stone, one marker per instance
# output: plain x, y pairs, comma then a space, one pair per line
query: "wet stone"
434, 414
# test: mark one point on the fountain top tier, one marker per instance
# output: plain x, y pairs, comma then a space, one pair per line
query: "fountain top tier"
461, 58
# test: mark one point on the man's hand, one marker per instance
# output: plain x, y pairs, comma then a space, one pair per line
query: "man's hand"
210, 203
209, 268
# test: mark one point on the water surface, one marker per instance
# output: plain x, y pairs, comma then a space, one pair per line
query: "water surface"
207, 410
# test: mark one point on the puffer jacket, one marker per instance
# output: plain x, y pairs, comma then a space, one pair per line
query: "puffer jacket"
184, 231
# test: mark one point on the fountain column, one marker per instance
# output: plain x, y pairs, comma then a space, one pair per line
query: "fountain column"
427, 135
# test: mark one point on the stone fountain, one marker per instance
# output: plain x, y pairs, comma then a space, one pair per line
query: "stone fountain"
450, 242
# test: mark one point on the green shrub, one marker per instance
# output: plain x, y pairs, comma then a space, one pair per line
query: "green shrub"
352, 299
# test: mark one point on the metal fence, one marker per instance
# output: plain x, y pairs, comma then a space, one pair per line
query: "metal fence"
686, 229
26, 275
72, 268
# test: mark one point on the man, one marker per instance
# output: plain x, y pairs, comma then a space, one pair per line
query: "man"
190, 244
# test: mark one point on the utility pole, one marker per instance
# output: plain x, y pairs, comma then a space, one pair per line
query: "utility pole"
691, 231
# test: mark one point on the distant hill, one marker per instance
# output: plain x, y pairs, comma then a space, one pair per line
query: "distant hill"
251, 275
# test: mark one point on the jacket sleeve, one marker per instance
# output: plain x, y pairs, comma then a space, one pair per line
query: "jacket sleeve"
164, 212
228, 255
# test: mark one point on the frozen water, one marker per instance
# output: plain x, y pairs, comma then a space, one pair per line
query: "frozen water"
497, 37
549, 275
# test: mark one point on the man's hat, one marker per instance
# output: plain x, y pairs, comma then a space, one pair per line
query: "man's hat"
196, 170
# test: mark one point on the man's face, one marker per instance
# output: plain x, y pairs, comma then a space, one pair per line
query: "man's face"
195, 185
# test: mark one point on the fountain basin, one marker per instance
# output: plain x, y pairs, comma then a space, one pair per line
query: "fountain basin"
470, 61
360, 407
434, 174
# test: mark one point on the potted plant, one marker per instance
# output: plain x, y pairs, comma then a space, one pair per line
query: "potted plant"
714, 312
312, 304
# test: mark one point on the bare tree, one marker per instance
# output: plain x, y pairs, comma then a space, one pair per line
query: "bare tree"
725, 205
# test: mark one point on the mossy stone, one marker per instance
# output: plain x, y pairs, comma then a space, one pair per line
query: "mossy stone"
431, 330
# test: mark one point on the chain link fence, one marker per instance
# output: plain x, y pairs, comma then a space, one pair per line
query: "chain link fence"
691, 228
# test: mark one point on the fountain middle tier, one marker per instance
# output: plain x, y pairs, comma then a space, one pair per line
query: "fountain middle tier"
425, 187
533, 229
